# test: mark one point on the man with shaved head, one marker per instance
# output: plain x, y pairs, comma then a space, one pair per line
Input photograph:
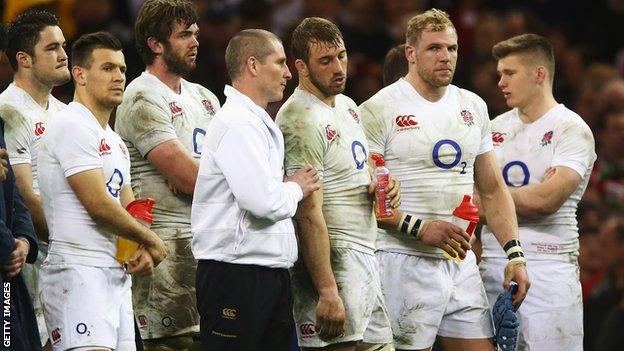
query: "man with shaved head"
243, 235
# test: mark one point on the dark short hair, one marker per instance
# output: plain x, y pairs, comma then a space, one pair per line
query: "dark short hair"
156, 19
395, 65
85, 45
3, 38
245, 44
313, 30
24, 33
534, 48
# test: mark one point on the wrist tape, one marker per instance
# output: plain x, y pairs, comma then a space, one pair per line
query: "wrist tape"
410, 225
514, 251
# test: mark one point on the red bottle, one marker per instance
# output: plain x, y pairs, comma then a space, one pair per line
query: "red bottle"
382, 178
141, 210
465, 216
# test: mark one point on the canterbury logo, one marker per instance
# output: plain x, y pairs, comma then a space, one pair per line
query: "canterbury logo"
307, 329
498, 137
405, 121
175, 107
39, 129
229, 313
330, 132
104, 148
55, 335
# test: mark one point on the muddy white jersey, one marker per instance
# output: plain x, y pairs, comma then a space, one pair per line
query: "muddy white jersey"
25, 123
430, 147
332, 140
151, 114
525, 152
75, 142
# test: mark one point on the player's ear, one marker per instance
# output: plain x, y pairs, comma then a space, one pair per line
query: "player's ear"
541, 74
302, 68
410, 53
23, 59
79, 75
154, 45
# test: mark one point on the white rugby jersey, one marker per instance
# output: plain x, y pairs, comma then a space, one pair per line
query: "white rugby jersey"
332, 140
151, 114
25, 122
524, 153
75, 142
430, 147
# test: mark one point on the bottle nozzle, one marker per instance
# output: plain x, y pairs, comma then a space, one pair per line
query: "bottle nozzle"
142, 208
379, 160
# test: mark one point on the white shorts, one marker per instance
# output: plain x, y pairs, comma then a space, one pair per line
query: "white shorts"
429, 296
551, 316
357, 277
87, 306
30, 273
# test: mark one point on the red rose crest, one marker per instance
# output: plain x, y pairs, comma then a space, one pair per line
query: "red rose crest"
547, 138
467, 117
354, 115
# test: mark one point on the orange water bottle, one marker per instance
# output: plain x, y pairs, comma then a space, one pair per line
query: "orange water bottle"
382, 177
141, 210
465, 216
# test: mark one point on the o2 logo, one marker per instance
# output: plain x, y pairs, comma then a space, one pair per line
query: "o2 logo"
359, 154
198, 137
516, 165
435, 155
114, 183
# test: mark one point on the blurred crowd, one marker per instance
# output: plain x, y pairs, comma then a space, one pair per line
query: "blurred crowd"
589, 80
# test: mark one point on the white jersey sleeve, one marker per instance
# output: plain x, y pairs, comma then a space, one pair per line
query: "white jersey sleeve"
472, 101
376, 126
304, 139
148, 126
80, 152
575, 149
17, 134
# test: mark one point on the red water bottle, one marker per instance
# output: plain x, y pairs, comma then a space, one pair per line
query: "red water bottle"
141, 210
465, 216
382, 178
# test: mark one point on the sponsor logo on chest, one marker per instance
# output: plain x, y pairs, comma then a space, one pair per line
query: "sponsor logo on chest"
55, 336
307, 330
39, 130
330, 133
104, 147
175, 108
406, 122
498, 138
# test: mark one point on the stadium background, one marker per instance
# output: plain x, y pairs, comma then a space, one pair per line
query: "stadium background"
589, 51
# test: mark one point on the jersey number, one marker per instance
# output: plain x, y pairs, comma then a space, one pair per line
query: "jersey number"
525, 172
114, 183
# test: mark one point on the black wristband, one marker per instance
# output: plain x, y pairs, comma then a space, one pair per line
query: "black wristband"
406, 222
515, 254
415, 228
510, 244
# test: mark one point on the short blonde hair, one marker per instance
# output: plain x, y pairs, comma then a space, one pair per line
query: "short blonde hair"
431, 20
